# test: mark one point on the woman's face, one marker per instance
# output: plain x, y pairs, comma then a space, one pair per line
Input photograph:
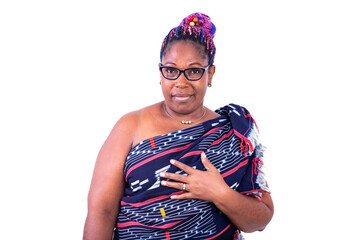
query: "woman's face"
181, 95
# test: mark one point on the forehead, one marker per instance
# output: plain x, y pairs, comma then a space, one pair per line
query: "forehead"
185, 52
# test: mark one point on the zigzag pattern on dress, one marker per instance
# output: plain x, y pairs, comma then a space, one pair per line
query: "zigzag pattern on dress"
230, 143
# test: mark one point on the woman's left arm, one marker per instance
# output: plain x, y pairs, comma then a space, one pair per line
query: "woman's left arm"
246, 212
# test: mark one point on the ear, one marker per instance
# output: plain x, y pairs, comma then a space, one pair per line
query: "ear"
211, 74
160, 73
159, 69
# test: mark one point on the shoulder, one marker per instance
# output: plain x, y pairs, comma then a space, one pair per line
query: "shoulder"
242, 113
130, 124
127, 122
132, 119
125, 127
240, 117
233, 108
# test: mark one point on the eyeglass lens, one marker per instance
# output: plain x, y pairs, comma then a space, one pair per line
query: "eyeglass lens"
191, 73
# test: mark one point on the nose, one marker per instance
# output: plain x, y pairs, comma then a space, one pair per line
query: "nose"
181, 81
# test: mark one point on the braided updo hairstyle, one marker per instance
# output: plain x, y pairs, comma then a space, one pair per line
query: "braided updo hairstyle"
196, 27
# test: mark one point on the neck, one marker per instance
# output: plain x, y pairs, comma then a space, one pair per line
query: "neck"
185, 118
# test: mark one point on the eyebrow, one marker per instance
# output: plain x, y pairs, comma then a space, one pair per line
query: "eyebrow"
195, 63
191, 64
169, 63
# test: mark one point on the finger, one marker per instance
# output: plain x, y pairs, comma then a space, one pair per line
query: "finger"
182, 166
176, 185
174, 176
205, 161
182, 196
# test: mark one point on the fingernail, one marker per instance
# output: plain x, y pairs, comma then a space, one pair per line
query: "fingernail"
163, 183
172, 161
162, 174
203, 154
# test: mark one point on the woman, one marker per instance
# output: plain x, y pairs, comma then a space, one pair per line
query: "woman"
176, 169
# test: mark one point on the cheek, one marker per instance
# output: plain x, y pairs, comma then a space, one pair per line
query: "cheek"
200, 89
203, 84
165, 88
166, 85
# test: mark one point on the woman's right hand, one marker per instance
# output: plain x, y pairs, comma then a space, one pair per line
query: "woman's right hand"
202, 185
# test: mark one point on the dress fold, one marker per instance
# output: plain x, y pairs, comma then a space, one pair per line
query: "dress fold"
230, 142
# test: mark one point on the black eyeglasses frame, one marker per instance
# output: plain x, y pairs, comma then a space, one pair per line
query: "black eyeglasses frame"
183, 71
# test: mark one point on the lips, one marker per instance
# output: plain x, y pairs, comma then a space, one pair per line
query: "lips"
182, 97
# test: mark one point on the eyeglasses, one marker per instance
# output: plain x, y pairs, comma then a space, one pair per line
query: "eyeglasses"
191, 74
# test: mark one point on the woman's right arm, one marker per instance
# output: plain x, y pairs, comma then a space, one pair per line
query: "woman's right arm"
107, 185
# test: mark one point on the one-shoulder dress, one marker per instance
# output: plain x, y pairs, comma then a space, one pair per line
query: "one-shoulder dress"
231, 143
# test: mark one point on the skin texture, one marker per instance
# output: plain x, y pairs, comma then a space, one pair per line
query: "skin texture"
107, 184
184, 101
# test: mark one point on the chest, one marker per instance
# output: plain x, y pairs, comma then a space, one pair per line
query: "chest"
155, 127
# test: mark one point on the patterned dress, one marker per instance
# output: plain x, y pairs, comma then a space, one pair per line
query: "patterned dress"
231, 144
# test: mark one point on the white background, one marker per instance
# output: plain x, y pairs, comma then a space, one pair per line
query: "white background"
69, 69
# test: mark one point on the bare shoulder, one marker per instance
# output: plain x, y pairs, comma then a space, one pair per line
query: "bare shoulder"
119, 142
126, 125
134, 124
132, 119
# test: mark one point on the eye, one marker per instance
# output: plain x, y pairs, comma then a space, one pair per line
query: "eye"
195, 71
169, 70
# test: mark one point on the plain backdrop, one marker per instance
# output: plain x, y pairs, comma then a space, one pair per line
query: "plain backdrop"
70, 69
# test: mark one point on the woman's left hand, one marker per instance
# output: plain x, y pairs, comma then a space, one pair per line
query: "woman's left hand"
204, 185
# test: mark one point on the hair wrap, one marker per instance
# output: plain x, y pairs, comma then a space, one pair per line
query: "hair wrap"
202, 21
196, 27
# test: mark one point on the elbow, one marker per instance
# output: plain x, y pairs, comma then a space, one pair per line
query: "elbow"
262, 229
268, 213
253, 228
259, 224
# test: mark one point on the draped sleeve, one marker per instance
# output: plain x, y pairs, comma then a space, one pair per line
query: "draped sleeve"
253, 181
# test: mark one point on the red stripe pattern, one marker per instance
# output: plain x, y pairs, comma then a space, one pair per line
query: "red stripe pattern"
152, 143
230, 143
